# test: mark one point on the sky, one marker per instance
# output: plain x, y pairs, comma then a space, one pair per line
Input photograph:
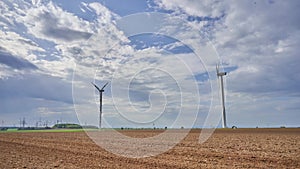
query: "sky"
159, 57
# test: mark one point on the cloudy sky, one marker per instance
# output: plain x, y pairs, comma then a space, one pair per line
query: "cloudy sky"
159, 57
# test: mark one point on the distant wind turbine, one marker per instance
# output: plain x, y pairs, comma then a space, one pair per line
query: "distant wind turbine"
221, 74
100, 93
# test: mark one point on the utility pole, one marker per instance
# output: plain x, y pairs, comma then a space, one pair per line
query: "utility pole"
23, 122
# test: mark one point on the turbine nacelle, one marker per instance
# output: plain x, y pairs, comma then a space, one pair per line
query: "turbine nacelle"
222, 73
218, 71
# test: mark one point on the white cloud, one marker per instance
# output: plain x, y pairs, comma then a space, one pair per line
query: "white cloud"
260, 39
261, 35
10, 41
137, 73
52, 23
56, 39
145, 84
205, 8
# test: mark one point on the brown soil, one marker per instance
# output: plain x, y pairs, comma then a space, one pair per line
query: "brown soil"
240, 148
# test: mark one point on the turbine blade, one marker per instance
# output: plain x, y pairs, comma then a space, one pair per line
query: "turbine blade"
96, 86
104, 86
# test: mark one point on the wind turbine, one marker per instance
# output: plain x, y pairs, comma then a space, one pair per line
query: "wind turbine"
221, 74
100, 93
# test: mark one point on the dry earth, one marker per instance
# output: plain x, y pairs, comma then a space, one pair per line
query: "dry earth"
240, 148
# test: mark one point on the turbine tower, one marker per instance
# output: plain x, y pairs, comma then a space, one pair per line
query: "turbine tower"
100, 93
221, 74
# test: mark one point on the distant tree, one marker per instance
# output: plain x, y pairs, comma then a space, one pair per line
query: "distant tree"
68, 126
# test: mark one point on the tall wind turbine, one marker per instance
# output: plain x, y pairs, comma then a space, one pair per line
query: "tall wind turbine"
100, 93
221, 74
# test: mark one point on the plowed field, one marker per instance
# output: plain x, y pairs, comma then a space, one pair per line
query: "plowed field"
240, 148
